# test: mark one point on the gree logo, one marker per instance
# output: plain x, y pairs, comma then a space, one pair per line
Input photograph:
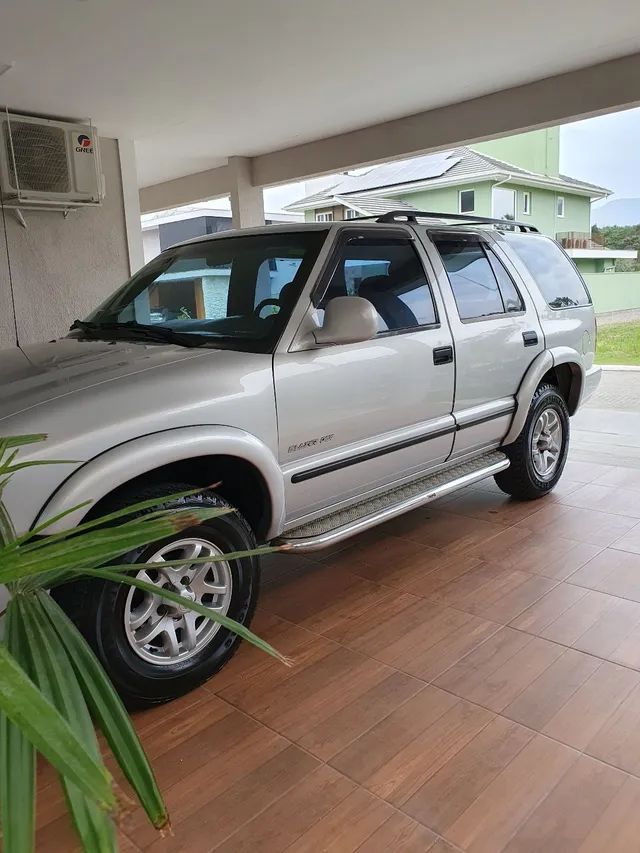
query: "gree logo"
84, 145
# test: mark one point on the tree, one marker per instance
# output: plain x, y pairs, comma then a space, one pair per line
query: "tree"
620, 237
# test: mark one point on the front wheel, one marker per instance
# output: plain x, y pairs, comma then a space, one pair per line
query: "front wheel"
539, 453
152, 649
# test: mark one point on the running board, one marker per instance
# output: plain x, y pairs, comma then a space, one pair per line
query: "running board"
344, 523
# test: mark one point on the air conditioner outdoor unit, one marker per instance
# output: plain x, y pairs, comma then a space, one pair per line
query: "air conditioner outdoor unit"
48, 164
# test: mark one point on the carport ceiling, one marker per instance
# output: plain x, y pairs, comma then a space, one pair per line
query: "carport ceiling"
196, 81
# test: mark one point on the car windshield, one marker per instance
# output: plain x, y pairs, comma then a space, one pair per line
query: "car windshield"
236, 292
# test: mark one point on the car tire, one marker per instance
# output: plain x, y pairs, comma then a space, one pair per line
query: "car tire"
148, 674
539, 454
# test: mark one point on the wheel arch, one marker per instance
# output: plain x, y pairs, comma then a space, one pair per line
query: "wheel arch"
560, 366
244, 469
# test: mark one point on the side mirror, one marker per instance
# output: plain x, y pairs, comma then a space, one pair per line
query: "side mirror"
347, 320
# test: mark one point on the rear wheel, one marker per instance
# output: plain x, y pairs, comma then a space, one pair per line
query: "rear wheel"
154, 650
539, 454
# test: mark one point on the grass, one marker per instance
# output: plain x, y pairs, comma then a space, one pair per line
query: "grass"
619, 344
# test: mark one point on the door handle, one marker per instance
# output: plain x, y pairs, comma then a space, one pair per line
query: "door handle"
530, 339
443, 355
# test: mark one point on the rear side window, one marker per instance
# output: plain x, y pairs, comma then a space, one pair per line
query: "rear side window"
553, 272
481, 285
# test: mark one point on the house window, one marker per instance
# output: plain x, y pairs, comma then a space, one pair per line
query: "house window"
504, 203
467, 201
526, 202
350, 213
324, 217
560, 205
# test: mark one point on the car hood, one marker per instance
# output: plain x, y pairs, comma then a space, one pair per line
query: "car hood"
36, 374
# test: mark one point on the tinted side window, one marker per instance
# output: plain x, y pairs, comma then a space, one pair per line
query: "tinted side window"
390, 275
553, 272
473, 281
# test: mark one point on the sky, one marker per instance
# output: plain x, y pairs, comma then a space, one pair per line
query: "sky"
603, 150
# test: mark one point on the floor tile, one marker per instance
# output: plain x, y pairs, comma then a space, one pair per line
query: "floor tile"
492, 819
346, 827
312, 693
261, 753
541, 700
446, 530
611, 571
618, 741
411, 766
583, 525
455, 786
401, 834
585, 472
250, 664
603, 625
348, 722
618, 828
626, 478
489, 506
551, 557
226, 811
612, 499
629, 541
383, 557
494, 592
550, 607
566, 816
422, 639
396, 757
297, 813
324, 598
418, 569
592, 705
501, 669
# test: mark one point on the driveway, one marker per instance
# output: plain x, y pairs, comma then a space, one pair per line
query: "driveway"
607, 430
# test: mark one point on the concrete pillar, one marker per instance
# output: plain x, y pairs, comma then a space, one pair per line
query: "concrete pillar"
131, 204
247, 204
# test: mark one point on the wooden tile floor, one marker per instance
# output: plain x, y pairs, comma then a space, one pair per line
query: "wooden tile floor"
467, 678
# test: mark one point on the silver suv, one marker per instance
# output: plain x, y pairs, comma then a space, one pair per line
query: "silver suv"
327, 377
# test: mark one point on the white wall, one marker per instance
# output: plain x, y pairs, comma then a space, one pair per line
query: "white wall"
62, 268
151, 243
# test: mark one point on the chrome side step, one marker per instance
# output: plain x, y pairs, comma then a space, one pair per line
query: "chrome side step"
344, 523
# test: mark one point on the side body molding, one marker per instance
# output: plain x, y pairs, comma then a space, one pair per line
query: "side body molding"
537, 369
104, 473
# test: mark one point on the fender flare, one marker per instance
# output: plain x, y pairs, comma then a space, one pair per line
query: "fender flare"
541, 364
104, 473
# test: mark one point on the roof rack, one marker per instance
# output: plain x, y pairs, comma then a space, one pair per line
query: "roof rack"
457, 218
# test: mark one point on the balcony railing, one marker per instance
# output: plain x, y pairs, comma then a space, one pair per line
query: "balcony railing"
579, 240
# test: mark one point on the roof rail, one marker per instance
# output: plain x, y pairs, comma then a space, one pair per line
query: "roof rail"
457, 218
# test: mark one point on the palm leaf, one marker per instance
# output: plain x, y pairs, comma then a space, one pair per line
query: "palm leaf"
108, 710
24, 704
20, 441
99, 546
59, 684
17, 767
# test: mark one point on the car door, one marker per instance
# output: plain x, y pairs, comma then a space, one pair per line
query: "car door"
355, 418
496, 330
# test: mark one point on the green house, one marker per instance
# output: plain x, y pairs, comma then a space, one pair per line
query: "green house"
517, 177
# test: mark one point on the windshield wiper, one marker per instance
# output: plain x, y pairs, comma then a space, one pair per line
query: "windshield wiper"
131, 329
